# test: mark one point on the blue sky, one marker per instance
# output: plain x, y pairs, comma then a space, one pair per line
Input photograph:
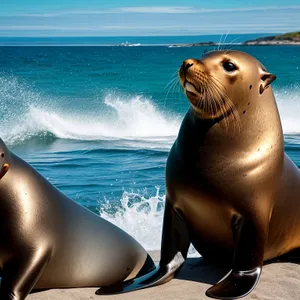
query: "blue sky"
146, 17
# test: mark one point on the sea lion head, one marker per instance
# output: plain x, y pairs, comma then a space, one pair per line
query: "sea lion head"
219, 84
4, 156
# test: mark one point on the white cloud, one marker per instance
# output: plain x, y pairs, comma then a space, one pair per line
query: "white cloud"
195, 21
194, 10
157, 10
199, 28
44, 28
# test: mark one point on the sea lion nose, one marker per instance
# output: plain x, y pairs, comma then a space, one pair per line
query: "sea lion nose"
187, 64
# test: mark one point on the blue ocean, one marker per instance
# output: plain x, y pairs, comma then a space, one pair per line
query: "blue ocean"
97, 120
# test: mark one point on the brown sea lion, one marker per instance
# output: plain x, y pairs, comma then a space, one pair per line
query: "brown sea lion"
231, 190
49, 241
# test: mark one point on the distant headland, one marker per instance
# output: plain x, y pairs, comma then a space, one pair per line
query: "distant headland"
292, 38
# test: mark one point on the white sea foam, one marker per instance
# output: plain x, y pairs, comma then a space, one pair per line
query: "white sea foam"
132, 119
288, 101
141, 216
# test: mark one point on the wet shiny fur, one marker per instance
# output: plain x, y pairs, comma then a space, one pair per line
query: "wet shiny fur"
49, 241
231, 190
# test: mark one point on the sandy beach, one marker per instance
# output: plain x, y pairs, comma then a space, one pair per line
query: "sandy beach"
279, 281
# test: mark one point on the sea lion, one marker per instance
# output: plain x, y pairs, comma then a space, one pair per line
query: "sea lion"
49, 241
231, 190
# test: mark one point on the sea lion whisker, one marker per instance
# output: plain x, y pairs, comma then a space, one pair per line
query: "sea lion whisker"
199, 102
179, 88
215, 97
171, 87
214, 108
207, 52
218, 81
220, 42
175, 74
230, 110
224, 103
210, 98
204, 100
225, 40
171, 82
229, 44
230, 107
175, 85
218, 100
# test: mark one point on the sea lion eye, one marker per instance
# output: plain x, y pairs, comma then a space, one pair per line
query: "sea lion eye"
229, 66
2, 155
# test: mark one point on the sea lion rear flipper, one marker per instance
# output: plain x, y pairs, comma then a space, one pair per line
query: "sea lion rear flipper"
175, 244
248, 260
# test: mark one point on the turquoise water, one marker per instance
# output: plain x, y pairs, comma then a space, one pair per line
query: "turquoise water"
98, 122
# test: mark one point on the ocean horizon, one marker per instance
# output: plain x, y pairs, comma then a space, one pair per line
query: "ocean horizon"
98, 122
161, 40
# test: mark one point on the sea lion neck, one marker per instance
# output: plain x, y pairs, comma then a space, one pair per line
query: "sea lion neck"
201, 138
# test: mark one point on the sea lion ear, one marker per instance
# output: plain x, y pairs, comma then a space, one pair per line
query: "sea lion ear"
266, 79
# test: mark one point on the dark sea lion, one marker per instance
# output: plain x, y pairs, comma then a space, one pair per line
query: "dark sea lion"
231, 190
49, 241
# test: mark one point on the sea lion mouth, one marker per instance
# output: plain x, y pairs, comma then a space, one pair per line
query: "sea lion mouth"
4, 170
190, 89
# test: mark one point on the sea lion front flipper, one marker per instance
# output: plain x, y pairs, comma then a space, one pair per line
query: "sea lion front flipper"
175, 245
250, 238
20, 275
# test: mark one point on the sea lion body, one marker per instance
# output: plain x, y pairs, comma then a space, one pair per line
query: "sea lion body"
231, 190
49, 241
220, 186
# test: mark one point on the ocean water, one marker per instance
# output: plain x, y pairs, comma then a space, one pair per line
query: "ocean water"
98, 122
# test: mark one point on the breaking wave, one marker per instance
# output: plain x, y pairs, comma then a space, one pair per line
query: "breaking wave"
26, 115
134, 120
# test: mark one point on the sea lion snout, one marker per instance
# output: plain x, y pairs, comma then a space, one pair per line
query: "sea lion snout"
4, 170
188, 63
207, 96
192, 76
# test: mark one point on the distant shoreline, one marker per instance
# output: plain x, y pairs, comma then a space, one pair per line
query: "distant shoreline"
288, 39
183, 45
271, 43
248, 43
155, 45
131, 41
